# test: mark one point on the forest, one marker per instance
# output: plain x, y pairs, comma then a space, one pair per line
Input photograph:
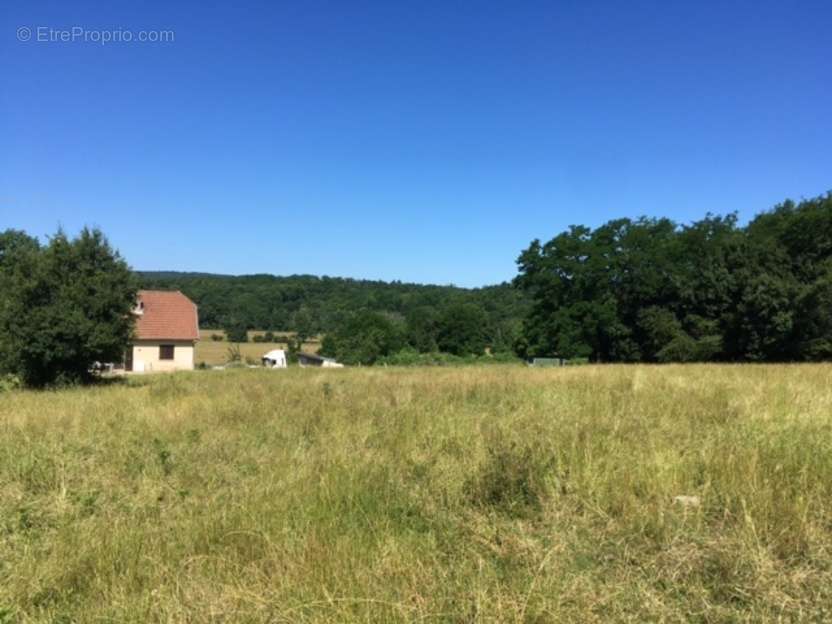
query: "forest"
630, 290
652, 290
373, 318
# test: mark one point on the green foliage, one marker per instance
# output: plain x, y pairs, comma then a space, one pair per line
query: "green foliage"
293, 347
363, 339
320, 305
411, 357
813, 323
461, 330
233, 354
650, 290
10, 382
7, 615
164, 457
236, 331
63, 306
217, 337
422, 329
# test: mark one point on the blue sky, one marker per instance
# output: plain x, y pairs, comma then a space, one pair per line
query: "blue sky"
426, 142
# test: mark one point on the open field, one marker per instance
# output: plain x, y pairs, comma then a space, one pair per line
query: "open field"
215, 353
500, 494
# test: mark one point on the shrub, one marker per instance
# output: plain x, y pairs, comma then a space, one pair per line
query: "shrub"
237, 332
9, 382
683, 348
513, 478
233, 354
410, 357
363, 339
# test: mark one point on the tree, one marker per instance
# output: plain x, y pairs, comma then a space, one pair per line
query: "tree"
813, 325
303, 322
650, 290
236, 331
63, 307
461, 329
363, 339
422, 329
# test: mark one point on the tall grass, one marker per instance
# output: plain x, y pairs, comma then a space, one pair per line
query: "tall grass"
473, 494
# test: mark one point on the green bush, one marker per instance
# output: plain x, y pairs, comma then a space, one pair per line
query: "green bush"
410, 357
683, 348
364, 339
9, 382
236, 332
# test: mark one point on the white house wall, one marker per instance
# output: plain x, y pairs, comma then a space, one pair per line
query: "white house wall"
146, 356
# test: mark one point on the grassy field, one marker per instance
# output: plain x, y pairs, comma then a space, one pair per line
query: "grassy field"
215, 352
480, 494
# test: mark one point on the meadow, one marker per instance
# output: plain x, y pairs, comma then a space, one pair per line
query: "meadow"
468, 494
215, 352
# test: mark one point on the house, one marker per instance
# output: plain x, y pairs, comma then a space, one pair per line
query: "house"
166, 331
276, 358
312, 359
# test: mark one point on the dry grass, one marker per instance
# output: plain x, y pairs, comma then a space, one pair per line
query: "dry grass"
216, 353
497, 494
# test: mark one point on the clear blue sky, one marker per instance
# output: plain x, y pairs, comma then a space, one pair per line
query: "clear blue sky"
421, 141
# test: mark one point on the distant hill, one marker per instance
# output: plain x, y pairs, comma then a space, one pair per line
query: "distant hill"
319, 304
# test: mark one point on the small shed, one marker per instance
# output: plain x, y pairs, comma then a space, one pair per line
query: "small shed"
547, 362
313, 359
276, 358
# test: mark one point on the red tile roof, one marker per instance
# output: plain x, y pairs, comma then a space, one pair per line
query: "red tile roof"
166, 315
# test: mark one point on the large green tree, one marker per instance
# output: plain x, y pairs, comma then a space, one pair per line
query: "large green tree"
63, 306
651, 290
364, 338
461, 329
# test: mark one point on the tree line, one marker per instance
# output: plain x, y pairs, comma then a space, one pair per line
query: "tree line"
631, 290
361, 320
651, 290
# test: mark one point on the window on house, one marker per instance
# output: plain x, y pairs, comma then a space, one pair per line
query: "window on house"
165, 352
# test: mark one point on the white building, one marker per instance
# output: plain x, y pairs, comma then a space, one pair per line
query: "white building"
275, 358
